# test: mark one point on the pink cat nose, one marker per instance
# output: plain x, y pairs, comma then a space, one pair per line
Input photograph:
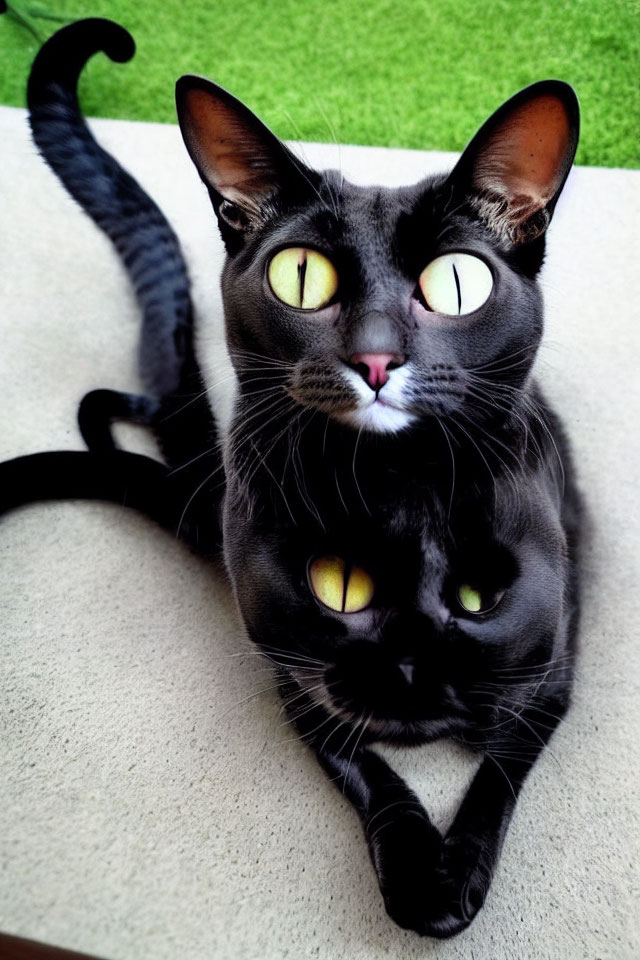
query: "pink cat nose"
375, 367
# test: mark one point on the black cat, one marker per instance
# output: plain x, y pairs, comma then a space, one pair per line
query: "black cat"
396, 502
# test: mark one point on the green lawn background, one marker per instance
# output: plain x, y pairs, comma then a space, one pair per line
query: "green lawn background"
418, 73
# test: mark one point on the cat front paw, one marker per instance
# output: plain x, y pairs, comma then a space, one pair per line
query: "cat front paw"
434, 889
404, 847
459, 887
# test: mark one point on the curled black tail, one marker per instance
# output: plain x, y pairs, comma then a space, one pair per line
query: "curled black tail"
145, 241
116, 476
177, 409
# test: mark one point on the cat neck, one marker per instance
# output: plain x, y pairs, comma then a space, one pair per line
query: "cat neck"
300, 455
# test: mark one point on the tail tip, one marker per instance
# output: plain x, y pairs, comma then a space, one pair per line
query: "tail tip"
113, 39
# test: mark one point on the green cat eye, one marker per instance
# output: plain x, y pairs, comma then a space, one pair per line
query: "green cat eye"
474, 601
302, 278
456, 283
470, 599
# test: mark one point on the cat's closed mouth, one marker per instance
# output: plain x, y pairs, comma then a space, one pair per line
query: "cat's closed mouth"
423, 722
383, 402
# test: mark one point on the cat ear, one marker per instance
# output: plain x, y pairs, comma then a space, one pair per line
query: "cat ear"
241, 162
515, 167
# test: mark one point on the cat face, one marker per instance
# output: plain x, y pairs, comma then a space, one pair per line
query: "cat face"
415, 629
382, 307
376, 355
435, 667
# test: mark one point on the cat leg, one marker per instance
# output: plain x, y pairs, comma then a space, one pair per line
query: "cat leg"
472, 845
405, 847
430, 885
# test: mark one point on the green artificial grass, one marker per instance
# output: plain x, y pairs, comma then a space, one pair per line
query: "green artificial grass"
398, 73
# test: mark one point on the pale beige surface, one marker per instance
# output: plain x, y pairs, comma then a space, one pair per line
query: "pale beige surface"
152, 804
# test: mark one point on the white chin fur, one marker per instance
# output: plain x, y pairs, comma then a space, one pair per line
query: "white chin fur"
373, 415
377, 418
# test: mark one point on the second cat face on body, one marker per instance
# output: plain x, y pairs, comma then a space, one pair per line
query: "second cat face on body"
412, 625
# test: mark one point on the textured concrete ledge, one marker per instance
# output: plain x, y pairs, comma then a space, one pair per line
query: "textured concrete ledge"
153, 806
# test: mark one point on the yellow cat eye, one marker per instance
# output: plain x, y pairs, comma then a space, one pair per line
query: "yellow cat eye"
340, 586
456, 283
302, 278
473, 601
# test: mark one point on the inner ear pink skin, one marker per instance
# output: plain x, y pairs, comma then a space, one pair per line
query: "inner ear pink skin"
228, 152
525, 155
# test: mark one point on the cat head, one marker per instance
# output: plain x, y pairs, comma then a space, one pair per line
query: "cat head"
382, 307
419, 630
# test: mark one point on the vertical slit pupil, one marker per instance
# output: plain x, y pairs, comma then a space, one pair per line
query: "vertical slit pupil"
345, 584
457, 280
302, 269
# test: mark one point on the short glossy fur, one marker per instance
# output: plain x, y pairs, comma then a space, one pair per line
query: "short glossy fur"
462, 477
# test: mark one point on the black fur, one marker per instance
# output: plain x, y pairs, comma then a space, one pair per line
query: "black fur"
132, 221
470, 484
140, 233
